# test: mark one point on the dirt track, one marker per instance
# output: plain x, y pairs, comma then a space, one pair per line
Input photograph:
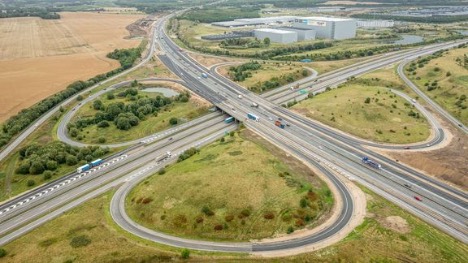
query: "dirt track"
40, 57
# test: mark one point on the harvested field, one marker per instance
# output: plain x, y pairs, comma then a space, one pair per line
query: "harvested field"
40, 57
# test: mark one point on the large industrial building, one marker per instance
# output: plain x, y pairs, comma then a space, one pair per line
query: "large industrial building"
328, 27
276, 35
304, 28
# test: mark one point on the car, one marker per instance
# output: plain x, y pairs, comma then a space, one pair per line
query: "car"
287, 124
270, 118
407, 185
280, 119
428, 145
198, 77
460, 125
417, 198
170, 139
407, 147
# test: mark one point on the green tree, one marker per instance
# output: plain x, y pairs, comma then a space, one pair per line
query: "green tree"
266, 41
2, 252
36, 168
97, 104
79, 98
51, 165
110, 96
367, 100
71, 160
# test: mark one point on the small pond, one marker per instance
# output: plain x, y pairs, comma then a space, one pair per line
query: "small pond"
166, 92
408, 39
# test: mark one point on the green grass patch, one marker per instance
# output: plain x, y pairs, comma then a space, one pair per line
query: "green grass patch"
385, 118
210, 196
445, 80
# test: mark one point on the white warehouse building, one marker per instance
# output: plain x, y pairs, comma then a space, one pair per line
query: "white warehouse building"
328, 27
276, 35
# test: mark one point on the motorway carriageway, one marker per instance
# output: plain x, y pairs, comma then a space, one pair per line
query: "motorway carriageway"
189, 76
138, 156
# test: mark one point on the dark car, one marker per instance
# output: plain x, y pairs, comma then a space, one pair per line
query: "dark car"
417, 198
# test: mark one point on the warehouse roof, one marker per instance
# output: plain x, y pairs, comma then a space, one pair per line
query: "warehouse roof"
271, 30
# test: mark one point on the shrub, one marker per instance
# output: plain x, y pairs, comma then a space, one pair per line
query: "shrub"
222, 140
185, 254
290, 230
173, 121
303, 203
30, 183
80, 241
229, 218
199, 219
244, 213
218, 227
367, 100
207, 211
162, 171
47, 175
102, 140
79, 98
147, 200
2, 252
269, 215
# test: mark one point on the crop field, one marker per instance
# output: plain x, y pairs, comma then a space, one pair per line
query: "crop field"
385, 118
40, 57
445, 80
211, 196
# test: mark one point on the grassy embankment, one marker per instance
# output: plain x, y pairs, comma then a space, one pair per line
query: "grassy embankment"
445, 80
153, 123
12, 183
409, 240
385, 118
211, 196
268, 75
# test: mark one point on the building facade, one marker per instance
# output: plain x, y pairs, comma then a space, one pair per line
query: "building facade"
328, 27
276, 35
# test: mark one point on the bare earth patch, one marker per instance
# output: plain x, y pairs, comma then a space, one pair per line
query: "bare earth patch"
41, 57
208, 61
449, 163
396, 223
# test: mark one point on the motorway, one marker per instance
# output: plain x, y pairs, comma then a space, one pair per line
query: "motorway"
443, 206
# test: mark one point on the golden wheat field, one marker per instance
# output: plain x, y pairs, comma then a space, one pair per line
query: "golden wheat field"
40, 57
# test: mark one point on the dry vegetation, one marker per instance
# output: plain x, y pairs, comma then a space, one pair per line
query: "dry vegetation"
40, 57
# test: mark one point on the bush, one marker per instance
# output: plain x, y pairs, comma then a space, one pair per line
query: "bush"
244, 213
218, 227
229, 218
102, 140
185, 254
79, 98
207, 211
30, 183
103, 124
110, 96
47, 175
162, 171
269, 215
367, 100
173, 121
80, 241
2, 252
290, 230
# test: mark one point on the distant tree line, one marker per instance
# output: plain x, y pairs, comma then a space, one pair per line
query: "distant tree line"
44, 13
25, 117
430, 19
37, 159
210, 15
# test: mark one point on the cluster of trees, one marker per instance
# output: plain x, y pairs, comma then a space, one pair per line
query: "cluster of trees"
187, 154
25, 117
36, 159
237, 43
240, 73
275, 82
152, 6
210, 15
124, 116
126, 57
44, 13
